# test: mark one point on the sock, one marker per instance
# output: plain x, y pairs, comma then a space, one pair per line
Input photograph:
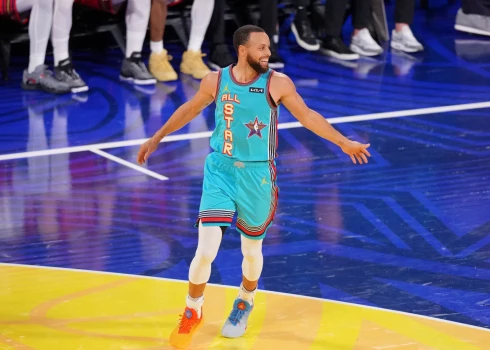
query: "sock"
137, 16
156, 46
195, 303
246, 295
201, 13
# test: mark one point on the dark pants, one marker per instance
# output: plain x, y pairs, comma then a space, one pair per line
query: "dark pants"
268, 18
476, 7
302, 3
268, 14
335, 13
404, 11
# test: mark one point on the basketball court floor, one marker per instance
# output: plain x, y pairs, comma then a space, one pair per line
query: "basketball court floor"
395, 254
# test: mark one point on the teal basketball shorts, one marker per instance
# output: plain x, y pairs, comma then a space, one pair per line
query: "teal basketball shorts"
248, 188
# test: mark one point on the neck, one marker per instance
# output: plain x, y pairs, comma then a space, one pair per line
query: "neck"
243, 73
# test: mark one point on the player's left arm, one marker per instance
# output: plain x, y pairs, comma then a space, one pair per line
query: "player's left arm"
283, 90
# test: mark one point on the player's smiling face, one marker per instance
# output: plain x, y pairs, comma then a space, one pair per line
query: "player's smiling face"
258, 52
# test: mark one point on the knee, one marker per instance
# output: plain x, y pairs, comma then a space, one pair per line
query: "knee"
252, 252
205, 256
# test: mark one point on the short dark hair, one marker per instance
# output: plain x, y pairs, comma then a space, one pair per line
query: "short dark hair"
242, 34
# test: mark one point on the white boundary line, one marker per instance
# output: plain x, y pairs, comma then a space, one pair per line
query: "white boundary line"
198, 135
263, 291
129, 164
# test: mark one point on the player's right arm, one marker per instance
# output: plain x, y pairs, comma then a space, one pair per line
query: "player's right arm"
183, 115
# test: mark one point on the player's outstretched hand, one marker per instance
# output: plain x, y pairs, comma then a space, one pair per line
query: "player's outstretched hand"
357, 151
146, 149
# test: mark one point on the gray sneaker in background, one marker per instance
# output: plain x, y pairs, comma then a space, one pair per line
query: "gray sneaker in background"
135, 71
474, 24
42, 79
64, 72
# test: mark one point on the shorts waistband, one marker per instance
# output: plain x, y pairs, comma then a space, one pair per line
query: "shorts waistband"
239, 163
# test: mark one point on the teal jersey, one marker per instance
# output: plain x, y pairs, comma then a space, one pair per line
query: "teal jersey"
246, 118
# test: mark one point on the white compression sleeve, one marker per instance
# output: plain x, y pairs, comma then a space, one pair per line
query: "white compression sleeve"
253, 260
62, 22
201, 13
207, 249
40, 22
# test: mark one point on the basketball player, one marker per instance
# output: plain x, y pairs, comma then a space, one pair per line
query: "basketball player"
36, 76
133, 69
240, 175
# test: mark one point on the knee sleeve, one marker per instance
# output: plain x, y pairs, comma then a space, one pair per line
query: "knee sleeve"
253, 260
207, 249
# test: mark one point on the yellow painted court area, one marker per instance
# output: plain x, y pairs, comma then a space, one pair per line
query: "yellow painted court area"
57, 309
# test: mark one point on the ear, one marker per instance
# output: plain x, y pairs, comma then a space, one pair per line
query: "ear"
242, 50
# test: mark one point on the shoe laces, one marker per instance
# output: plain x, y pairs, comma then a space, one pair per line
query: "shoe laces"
237, 313
197, 60
186, 323
163, 61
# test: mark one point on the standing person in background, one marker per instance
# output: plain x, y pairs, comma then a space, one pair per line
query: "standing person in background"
192, 63
220, 54
333, 45
36, 76
301, 27
133, 69
474, 17
402, 38
362, 42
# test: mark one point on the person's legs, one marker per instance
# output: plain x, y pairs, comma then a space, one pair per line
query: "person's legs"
137, 16
39, 28
404, 13
301, 27
474, 17
253, 262
160, 66
62, 23
362, 42
158, 17
333, 45
402, 37
220, 56
36, 77
476, 7
60, 36
192, 62
268, 21
215, 215
256, 205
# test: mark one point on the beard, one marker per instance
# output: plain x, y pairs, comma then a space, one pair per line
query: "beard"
256, 65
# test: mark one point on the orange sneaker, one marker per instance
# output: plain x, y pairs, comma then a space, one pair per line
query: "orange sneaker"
189, 323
